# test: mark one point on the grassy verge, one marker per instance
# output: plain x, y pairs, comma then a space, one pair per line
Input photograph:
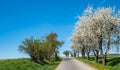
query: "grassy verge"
92, 63
26, 64
113, 63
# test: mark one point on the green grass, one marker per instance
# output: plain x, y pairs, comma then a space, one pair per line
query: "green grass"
26, 64
113, 63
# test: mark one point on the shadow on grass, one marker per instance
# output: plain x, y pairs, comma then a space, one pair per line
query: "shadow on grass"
113, 61
110, 61
46, 62
93, 58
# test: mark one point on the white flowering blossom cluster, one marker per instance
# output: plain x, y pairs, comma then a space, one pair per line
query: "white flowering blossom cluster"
97, 29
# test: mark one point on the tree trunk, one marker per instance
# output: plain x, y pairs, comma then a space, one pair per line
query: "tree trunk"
104, 59
34, 59
78, 54
97, 55
83, 55
101, 51
71, 54
56, 56
105, 55
96, 52
96, 58
74, 54
88, 57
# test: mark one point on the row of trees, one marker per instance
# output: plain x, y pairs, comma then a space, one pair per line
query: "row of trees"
40, 49
97, 31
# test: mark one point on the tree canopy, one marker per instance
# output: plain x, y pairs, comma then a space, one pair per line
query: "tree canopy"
39, 49
97, 30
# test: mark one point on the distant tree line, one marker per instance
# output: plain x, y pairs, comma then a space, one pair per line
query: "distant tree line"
40, 49
66, 53
96, 31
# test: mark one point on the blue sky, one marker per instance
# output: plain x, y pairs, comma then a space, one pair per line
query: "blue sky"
20, 19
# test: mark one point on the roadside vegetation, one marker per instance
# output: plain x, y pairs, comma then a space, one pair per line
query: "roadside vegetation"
39, 49
97, 32
27, 64
43, 54
111, 64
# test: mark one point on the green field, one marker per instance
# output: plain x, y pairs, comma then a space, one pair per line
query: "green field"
113, 63
26, 64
